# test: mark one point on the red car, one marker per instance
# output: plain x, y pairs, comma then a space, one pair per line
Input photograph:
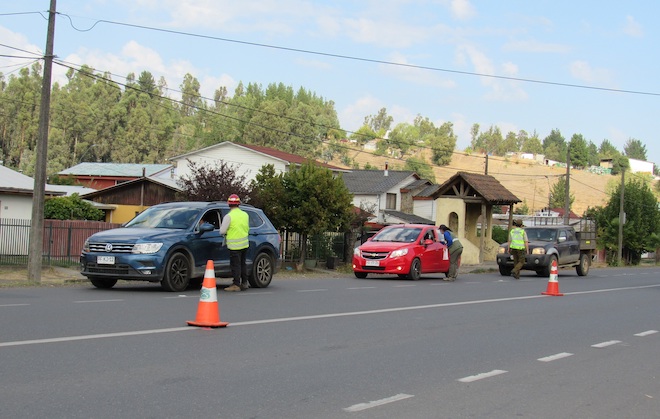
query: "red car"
407, 250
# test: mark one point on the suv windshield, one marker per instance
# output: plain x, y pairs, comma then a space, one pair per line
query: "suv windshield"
175, 218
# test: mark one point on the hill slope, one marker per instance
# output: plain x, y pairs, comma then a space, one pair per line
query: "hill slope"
530, 181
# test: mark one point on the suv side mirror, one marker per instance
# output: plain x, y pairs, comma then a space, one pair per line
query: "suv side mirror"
206, 227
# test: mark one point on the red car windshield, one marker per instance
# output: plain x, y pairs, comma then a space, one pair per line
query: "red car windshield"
397, 234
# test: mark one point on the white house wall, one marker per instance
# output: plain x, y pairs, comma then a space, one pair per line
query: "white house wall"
246, 162
424, 208
16, 206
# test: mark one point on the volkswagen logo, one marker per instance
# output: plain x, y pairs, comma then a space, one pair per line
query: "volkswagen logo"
108, 247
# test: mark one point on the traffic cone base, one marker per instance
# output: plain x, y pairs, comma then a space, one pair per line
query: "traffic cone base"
553, 284
208, 311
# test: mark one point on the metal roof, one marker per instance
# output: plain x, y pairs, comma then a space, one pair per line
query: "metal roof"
364, 182
115, 169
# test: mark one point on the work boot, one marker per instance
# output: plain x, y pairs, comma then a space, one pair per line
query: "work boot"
244, 286
233, 288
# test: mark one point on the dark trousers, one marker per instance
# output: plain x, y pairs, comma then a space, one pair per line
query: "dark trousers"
238, 268
518, 261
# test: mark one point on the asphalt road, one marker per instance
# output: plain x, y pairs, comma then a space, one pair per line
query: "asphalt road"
338, 347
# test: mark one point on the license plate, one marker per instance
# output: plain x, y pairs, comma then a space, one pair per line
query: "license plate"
105, 260
373, 263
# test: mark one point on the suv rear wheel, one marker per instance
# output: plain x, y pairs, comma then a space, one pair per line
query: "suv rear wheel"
177, 273
262, 271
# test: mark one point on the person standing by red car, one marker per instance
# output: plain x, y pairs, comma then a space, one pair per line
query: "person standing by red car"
455, 249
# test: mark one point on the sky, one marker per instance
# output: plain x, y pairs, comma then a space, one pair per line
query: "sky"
583, 67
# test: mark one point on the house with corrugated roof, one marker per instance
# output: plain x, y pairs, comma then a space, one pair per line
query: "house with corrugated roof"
16, 194
103, 175
387, 194
245, 159
125, 200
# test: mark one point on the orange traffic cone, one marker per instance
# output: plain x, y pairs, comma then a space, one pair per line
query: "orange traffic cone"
553, 285
208, 311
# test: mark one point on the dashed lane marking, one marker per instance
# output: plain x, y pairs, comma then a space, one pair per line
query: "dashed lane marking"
98, 301
364, 406
555, 357
606, 344
13, 305
481, 376
648, 332
311, 290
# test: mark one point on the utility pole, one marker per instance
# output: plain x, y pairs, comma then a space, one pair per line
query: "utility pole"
37, 224
622, 217
567, 199
486, 171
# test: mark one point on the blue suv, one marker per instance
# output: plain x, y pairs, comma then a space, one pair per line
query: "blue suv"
171, 243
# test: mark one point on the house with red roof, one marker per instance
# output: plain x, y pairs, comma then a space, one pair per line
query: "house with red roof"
246, 159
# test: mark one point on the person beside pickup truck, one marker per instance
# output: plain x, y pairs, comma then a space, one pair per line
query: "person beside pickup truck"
518, 246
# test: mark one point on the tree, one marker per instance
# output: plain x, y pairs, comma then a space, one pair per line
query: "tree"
607, 150
380, 123
578, 151
71, 208
634, 149
641, 231
619, 163
532, 144
213, 183
421, 167
558, 194
315, 202
554, 146
267, 192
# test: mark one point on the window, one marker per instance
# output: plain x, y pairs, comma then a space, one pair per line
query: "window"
390, 201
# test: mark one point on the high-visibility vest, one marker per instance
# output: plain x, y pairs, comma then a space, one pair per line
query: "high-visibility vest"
517, 238
239, 227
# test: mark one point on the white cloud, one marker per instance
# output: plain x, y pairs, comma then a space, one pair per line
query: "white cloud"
352, 116
535, 47
415, 75
499, 89
583, 71
462, 9
633, 28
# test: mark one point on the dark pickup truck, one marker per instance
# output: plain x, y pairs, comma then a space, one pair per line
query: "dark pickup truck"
548, 240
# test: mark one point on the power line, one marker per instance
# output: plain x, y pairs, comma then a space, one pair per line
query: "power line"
354, 58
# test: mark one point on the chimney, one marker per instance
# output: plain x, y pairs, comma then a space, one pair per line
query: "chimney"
386, 172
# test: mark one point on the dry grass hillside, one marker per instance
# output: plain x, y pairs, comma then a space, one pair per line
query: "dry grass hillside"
531, 182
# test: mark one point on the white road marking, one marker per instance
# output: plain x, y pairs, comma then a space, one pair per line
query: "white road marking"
555, 357
13, 305
98, 301
361, 288
364, 406
99, 336
289, 319
606, 344
648, 332
406, 285
481, 376
311, 290
177, 296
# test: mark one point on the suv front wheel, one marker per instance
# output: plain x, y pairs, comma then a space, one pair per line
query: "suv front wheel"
262, 271
177, 273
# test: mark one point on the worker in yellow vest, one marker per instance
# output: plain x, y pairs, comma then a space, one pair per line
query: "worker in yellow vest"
518, 247
236, 226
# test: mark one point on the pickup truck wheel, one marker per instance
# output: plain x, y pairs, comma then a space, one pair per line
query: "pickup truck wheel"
177, 273
545, 271
505, 270
103, 283
583, 267
262, 271
415, 270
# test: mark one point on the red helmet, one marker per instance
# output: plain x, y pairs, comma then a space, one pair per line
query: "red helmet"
233, 200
